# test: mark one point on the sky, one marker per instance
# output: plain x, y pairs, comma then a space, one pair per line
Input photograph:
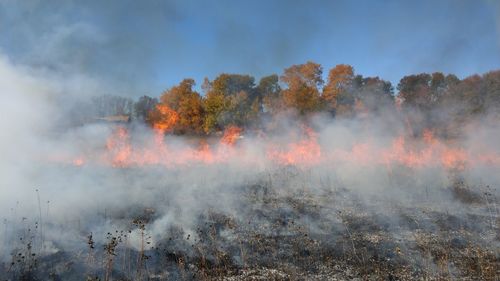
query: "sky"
145, 47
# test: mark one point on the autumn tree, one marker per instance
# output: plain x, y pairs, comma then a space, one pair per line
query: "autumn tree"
188, 105
163, 118
340, 79
303, 82
428, 100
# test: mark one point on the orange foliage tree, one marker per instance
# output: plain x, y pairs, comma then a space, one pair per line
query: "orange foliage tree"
187, 105
303, 83
340, 78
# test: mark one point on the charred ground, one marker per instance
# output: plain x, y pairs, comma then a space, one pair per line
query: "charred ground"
279, 233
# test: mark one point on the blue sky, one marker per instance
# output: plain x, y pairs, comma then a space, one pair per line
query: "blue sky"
143, 47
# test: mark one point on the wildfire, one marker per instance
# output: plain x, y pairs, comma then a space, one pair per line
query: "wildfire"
79, 161
166, 120
434, 153
204, 153
231, 135
118, 147
304, 151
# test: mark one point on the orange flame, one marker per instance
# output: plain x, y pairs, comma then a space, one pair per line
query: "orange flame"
79, 161
119, 147
167, 118
231, 135
305, 151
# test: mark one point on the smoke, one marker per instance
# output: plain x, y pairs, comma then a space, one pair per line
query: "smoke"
24, 103
42, 187
142, 48
136, 46
98, 196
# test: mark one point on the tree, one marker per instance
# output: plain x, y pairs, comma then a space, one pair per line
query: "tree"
163, 118
173, 96
269, 91
447, 89
303, 81
231, 84
415, 90
108, 105
143, 108
228, 101
469, 95
214, 105
451, 80
372, 93
188, 106
340, 79
363, 95
191, 114
492, 91
437, 86
237, 110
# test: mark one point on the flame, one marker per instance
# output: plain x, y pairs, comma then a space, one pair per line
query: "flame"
231, 135
204, 153
428, 136
121, 153
306, 151
167, 118
454, 158
78, 161
119, 147
303, 151
434, 153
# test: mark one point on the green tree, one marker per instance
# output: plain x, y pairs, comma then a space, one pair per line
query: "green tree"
492, 91
269, 91
373, 93
228, 101
415, 91
143, 108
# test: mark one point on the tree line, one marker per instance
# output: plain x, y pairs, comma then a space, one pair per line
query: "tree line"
430, 100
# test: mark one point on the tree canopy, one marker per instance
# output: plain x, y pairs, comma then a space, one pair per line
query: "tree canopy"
429, 99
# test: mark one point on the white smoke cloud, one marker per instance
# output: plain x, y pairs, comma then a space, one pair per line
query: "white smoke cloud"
97, 198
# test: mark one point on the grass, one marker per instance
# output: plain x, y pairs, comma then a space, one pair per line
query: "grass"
294, 234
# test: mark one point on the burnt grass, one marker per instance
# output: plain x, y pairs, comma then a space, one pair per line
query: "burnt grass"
283, 234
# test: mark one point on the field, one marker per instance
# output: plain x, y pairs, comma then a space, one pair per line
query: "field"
287, 225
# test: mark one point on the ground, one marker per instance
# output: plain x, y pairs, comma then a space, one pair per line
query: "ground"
301, 233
